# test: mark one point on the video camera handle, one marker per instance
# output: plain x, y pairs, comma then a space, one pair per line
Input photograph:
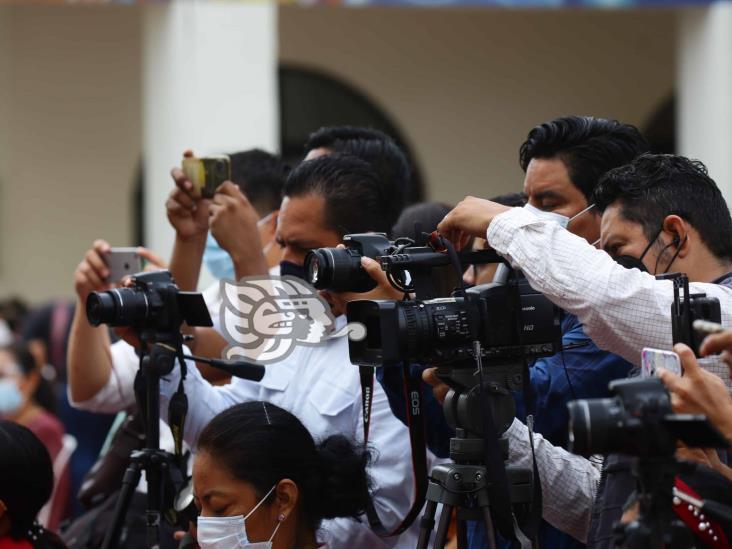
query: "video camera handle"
240, 369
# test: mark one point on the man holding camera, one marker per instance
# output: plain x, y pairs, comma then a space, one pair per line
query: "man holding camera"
660, 213
325, 198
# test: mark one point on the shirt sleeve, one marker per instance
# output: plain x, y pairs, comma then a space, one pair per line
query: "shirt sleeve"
118, 393
568, 482
622, 310
204, 400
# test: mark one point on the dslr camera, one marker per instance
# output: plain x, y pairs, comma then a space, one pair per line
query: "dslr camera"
153, 302
340, 269
638, 421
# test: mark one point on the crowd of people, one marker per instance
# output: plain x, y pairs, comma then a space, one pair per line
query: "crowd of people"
296, 459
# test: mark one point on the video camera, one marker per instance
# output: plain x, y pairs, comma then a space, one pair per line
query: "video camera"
638, 421
153, 302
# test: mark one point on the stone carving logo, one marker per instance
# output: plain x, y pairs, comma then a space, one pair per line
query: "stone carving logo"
264, 319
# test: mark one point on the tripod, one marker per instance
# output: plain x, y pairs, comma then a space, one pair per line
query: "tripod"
162, 469
656, 526
463, 486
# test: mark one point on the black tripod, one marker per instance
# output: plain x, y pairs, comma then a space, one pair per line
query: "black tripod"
657, 525
162, 469
463, 486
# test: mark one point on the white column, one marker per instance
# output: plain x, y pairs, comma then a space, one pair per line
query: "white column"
210, 84
704, 109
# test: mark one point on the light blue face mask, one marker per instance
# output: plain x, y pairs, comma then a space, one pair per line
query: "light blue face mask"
11, 399
217, 260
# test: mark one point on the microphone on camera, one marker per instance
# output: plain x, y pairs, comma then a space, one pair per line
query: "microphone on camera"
238, 368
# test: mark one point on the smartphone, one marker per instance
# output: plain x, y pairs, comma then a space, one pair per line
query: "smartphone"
123, 262
652, 359
206, 174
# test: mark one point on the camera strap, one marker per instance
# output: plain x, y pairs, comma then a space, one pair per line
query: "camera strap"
178, 409
418, 446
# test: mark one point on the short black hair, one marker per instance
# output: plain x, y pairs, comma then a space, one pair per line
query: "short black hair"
26, 476
515, 200
261, 176
427, 214
587, 146
376, 148
654, 186
355, 199
260, 443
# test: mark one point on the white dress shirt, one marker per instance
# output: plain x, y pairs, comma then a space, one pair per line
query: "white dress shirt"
322, 388
622, 310
568, 482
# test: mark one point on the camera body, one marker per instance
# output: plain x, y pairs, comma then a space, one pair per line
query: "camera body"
153, 302
339, 269
511, 320
638, 421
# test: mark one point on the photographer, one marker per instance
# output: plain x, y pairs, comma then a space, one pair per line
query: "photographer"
324, 198
659, 212
258, 473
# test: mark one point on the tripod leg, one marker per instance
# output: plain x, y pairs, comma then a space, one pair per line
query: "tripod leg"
443, 526
426, 525
129, 483
490, 533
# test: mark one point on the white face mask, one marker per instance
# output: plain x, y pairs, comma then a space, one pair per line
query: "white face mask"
231, 532
561, 220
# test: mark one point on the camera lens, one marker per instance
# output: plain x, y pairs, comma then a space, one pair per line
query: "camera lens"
592, 425
100, 308
120, 307
337, 269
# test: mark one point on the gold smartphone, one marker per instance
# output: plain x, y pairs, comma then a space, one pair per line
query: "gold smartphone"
206, 174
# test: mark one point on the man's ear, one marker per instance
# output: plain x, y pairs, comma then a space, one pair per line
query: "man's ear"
287, 494
678, 229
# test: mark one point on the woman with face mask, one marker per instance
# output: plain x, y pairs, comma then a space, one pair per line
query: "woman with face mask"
26, 484
20, 386
261, 481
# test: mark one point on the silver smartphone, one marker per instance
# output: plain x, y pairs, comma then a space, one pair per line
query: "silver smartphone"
123, 262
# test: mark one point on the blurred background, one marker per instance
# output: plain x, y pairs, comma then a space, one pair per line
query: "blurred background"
98, 100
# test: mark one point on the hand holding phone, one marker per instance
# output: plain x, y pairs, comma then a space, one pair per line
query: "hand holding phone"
122, 262
206, 174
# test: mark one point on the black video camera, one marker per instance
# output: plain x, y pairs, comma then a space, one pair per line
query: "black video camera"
339, 269
153, 302
509, 318
639, 421
688, 307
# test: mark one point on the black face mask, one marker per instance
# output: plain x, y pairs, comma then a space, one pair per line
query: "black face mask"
630, 262
293, 269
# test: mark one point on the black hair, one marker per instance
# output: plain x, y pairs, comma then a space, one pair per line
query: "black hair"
376, 148
44, 394
587, 146
13, 310
355, 200
26, 483
261, 176
261, 444
658, 185
427, 214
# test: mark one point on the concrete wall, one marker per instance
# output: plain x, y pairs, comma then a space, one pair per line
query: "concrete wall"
467, 85
71, 120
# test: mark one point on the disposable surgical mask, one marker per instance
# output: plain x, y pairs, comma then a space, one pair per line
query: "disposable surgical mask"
561, 220
217, 260
11, 399
231, 532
